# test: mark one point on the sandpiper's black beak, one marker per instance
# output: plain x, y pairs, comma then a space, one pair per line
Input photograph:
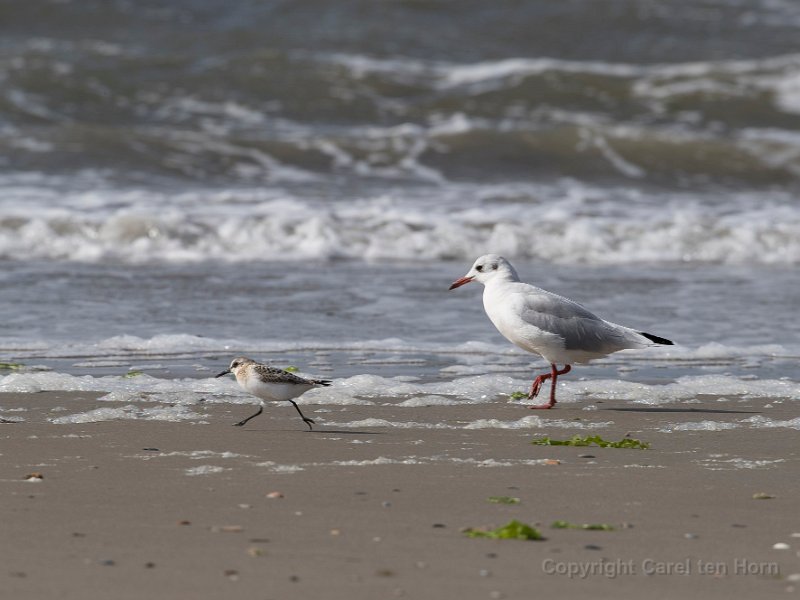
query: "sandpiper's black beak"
225, 372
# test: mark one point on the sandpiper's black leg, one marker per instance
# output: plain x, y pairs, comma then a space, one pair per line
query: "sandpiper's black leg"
302, 416
243, 421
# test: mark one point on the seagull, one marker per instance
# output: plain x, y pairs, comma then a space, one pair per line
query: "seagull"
556, 328
270, 383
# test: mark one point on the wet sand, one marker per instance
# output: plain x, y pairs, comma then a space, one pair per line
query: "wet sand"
132, 509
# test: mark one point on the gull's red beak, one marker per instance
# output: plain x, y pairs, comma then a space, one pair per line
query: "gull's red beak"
460, 282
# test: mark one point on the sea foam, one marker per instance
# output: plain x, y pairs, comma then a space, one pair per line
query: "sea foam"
537, 222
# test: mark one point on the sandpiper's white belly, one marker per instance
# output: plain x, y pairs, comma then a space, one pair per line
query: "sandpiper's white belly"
274, 391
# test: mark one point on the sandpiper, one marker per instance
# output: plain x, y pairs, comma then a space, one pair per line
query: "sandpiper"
270, 383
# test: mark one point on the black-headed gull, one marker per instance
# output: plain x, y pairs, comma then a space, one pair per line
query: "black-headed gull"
270, 383
556, 328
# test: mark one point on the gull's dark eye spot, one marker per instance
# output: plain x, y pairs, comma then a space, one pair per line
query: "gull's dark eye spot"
479, 268
494, 266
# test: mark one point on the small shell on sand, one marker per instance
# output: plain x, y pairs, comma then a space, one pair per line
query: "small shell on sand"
34, 477
227, 529
780, 546
275, 495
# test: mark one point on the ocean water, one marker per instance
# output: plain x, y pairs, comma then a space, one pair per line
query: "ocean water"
300, 182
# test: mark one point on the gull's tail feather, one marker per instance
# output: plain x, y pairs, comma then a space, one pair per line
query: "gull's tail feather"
656, 339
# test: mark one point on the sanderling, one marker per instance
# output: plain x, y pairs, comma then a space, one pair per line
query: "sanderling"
270, 383
556, 328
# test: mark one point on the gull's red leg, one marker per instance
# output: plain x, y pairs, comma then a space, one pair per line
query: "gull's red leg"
537, 383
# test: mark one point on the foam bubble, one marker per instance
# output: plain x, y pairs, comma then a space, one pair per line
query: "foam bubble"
204, 470
130, 412
374, 422
429, 401
717, 464
196, 454
535, 422
762, 422
686, 389
493, 462
381, 460
700, 426
12, 419
278, 468
465, 390
428, 460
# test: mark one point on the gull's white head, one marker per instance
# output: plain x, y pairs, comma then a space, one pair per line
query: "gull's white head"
489, 267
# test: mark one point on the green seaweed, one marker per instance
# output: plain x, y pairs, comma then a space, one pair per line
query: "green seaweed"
11, 366
517, 395
588, 440
132, 374
762, 496
584, 526
503, 500
513, 530
291, 369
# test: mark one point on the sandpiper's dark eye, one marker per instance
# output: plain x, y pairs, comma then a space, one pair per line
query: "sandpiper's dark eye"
479, 268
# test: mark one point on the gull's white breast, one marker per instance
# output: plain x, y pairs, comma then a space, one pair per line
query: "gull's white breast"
505, 307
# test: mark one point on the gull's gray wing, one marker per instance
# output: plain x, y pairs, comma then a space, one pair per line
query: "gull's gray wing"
578, 327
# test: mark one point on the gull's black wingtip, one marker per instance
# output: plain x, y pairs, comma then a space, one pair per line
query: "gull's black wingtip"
656, 339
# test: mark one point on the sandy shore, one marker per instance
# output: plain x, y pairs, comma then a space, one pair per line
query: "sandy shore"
133, 509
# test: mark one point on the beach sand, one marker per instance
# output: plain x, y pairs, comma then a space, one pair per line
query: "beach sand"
149, 509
